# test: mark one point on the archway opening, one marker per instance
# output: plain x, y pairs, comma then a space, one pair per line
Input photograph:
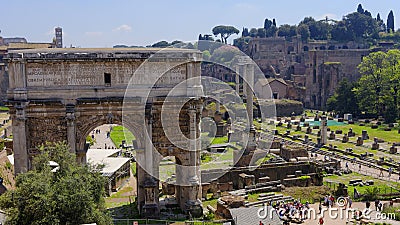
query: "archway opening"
111, 150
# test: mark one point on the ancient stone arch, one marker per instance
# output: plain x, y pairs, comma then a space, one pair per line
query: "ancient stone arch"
63, 94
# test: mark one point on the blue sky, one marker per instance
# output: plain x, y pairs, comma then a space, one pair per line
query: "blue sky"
104, 23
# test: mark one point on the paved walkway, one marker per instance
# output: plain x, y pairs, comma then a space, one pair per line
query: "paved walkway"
338, 219
365, 170
101, 139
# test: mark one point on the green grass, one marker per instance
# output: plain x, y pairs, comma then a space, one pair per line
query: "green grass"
384, 187
311, 194
212, 202
4, 108
133, 168
120, 133
390, 136
395, 210
219, 140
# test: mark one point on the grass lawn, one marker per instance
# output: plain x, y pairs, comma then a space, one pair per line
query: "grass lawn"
219, 140
385, 187
119, 198
311, 194
212, 202
390, 136
120, 133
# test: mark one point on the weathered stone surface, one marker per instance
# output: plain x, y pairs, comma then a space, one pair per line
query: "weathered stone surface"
56, 97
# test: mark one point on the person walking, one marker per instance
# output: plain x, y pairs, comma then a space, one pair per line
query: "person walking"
376, 204
381, 172
321, 221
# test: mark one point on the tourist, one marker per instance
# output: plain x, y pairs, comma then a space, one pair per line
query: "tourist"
376, 204
390, 171
380, 206
359, 167
332, 200
321, 221
367, 204
381, 172
350, 202
320, 207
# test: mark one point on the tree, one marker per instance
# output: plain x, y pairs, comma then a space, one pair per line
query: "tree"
344, 99
253, 32
381, 24
267, 24
319, 30
261, 32
361, 26
245, 32
270, 27
390, 22
225, 32
378, 89
360, 9
340, 33
161, 44
224, 54
71, 195
304, 32
287, 30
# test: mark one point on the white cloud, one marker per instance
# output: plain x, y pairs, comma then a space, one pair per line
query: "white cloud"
123, 27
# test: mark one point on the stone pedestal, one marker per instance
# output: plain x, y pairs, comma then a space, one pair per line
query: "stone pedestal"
364, 135
393, 150
375, 146
351, 133
150, 208
360, 141
345, 138
309, 130
298, 128
332, 135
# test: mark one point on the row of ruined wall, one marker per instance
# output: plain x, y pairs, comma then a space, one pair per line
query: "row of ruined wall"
315, 66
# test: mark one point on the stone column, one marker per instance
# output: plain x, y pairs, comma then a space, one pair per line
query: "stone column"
242, 68
218, 104
149, 146
193, 204
324, 130
71, 127
237, 79
249, 68
150, 185
21, 160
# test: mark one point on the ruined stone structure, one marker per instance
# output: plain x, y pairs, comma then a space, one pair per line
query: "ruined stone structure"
63, 94
311, 70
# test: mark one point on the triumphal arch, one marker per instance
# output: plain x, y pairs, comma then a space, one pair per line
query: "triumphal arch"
63, 94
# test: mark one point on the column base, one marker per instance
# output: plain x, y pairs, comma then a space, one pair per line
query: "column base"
195, 208
151, 211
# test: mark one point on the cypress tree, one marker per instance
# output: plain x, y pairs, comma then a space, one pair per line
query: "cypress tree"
390, 22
